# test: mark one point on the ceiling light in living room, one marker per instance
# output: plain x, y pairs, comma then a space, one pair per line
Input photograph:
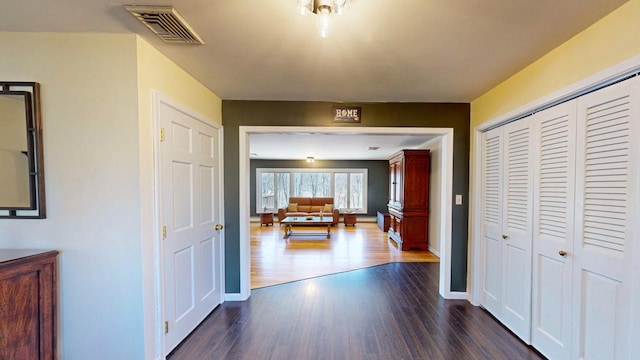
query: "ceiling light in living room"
311, 159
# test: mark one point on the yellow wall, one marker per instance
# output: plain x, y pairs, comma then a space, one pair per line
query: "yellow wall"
156, 72
611, 40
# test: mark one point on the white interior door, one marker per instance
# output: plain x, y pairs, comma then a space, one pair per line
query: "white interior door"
606, 189
492, 183
190, 206
517, 225
553, 231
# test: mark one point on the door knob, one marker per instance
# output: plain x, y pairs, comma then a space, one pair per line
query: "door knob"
219, 227
562, 253
505, 236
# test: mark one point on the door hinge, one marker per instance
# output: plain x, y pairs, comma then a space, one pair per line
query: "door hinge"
166, 327
164, 232
161, 134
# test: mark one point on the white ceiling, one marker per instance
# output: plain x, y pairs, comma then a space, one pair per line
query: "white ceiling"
294, 146
380, 51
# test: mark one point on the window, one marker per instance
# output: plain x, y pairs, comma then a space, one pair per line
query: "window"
355, 190
311, 184
267, 186
283, 189
340, 190
348, 187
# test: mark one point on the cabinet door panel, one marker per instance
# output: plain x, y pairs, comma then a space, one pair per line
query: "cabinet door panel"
19, 297
399, 172
27, 304
392, 183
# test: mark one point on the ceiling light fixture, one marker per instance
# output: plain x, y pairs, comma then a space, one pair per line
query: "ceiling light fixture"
310, 159
324, 9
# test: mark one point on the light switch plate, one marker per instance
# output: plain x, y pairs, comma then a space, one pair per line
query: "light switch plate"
458, 199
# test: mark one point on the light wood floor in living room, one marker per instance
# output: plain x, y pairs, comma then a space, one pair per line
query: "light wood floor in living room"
275, 260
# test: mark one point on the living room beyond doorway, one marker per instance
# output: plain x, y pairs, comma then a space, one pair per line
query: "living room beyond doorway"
275, 260
441, 192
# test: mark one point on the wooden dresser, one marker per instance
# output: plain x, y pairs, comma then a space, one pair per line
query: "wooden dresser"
409, 199
28, 304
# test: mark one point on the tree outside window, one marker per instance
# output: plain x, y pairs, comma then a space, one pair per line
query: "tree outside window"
312, 184
355, 193
267, 194
346, 186
340, 191
283, 189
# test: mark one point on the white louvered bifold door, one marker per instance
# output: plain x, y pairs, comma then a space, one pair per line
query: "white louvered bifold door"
517, 217
553, 224
606, 191
492, 166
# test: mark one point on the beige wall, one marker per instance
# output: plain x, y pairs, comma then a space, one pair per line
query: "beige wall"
98, 155
611, 40
90, 135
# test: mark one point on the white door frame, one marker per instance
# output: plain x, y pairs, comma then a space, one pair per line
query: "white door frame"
446, 201
586, 85
157, 99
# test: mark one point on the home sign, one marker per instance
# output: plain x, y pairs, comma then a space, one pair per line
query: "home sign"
347, 114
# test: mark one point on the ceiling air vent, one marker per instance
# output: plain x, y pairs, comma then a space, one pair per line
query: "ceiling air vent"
165, 22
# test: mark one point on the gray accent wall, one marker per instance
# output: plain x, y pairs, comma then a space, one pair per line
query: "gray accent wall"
377, 182
236, 113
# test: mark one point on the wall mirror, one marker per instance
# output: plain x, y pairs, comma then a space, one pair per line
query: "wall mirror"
21, 155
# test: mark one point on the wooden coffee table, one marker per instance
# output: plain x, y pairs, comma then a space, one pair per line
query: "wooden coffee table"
290, 222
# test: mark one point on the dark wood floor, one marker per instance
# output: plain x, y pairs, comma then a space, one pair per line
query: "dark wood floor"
390, 311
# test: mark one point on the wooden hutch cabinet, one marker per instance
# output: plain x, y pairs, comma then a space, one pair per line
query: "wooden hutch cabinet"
28, 304
409, 199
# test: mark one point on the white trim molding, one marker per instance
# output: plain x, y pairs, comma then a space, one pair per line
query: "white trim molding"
234, 297
244, 205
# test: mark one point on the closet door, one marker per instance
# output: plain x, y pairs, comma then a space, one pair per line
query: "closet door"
507, 184
492, 152
517, 227
553, 231
606, 189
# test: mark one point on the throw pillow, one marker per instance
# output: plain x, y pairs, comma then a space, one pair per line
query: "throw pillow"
292, 207
328, 208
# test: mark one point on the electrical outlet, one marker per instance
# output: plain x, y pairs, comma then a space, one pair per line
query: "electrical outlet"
458, 199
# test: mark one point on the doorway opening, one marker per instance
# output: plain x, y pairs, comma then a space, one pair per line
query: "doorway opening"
445, 172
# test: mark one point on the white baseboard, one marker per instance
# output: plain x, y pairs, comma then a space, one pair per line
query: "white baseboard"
456, 295
234, 297
434, 251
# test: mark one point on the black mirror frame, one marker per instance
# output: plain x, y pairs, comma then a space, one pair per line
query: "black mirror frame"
33, 126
